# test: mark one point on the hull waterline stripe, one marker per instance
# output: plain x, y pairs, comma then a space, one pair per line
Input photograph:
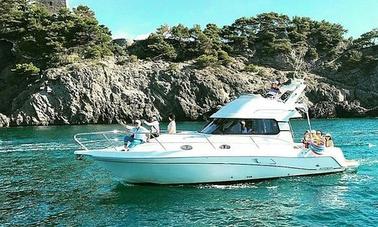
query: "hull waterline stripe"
232, 181
215, 163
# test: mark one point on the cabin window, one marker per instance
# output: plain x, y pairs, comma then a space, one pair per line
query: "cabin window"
242, 126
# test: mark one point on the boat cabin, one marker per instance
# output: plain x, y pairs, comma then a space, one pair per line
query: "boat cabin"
253, 115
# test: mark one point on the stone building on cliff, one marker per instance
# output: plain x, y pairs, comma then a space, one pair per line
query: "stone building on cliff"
54, 5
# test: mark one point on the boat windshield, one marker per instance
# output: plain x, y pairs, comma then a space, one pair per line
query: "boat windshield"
242, 126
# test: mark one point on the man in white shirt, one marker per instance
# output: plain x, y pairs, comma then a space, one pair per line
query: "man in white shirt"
139, 135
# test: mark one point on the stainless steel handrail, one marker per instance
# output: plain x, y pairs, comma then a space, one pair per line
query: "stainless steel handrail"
101, 133
111, 144
115, 148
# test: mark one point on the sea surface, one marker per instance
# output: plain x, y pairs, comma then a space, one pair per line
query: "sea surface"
41, 183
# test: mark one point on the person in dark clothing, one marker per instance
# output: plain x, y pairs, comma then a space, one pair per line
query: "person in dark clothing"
274, 90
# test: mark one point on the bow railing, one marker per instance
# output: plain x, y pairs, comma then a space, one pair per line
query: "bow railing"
100, 140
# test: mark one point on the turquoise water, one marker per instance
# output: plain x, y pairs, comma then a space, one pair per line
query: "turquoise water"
42, 183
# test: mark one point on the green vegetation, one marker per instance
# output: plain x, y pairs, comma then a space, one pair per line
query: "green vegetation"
173, 67
206, 60
367, 39
264, 36
251, 68
26, 69
224, 58
42, 40
362, 52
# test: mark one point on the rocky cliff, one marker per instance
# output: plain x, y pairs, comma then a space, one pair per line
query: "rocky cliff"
107, 92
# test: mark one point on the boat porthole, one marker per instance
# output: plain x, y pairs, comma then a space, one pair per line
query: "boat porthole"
317, 165
186, 147
224, 146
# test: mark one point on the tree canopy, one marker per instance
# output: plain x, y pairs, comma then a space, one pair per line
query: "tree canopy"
46, 39
42, 39
265, 35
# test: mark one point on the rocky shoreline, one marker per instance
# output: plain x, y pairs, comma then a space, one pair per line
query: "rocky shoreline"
108, 92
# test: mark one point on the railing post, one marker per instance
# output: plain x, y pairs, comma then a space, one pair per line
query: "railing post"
111, 143
78, 141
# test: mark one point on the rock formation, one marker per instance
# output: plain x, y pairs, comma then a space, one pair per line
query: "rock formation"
4, 120
106, 92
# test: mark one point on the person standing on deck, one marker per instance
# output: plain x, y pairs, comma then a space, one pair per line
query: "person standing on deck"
172, 124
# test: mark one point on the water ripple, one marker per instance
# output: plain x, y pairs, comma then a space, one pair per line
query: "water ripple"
41, 183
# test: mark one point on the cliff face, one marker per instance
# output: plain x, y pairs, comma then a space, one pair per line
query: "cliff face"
105, 92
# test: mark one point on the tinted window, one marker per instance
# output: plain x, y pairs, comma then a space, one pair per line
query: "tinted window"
242, 126
265, 126
215, 127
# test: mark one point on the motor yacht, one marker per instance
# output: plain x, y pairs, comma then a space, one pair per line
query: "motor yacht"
249, 138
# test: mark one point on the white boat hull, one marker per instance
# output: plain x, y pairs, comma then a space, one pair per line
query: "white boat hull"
250, 138
215, 169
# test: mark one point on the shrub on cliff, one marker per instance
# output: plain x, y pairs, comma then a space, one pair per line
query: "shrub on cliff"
26, 69
173, 67
362, 52
311, 54
204, 61
154, 47
160, 48
224, 58
251, 68
358, 58
367, 39
65, 59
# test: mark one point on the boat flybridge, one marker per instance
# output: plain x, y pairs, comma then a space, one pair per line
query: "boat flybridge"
249, 138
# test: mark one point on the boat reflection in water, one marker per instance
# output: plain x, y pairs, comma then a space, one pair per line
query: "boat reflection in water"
249, 138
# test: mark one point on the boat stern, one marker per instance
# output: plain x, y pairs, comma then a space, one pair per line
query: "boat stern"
351, 165
348, 165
